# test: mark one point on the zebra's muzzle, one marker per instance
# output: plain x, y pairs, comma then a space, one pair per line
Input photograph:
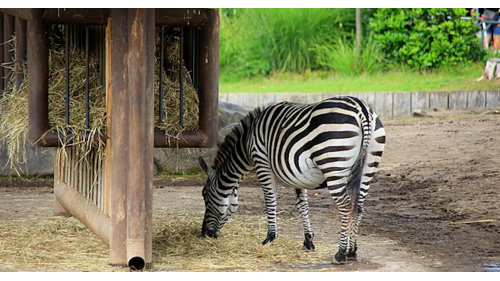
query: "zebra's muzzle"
212, 233
209, 231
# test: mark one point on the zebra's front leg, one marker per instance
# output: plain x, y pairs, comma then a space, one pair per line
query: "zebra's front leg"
303, 207
268, 183
270, 201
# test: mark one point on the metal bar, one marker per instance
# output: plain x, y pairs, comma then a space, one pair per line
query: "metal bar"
208, 88
38, 67
20, 50
196, 58
9, 27
66, 29
181, 81
59, 175
88, 214
162, 58
186, 139
22, 13
87, 83
93, 16
193, 51
180, 17
1, 52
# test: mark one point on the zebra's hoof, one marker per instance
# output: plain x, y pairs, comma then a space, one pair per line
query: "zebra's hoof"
339, 258
271, 236
308, 245
352, 256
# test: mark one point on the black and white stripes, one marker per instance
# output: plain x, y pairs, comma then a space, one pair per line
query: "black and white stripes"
335, 144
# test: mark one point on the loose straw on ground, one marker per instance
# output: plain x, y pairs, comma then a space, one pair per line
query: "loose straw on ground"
48, 243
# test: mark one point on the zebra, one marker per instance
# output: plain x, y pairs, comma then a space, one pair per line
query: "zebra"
335, 144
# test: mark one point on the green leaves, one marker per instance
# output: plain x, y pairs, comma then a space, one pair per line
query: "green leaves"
426, 38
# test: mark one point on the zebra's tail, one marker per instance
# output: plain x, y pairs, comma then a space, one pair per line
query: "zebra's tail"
354, 180
356, 173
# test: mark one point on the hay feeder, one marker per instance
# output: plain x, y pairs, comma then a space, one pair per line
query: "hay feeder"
112, 195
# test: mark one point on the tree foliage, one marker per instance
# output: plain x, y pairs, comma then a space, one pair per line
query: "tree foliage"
426, 38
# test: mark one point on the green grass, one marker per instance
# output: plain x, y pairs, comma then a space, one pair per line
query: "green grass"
459, 78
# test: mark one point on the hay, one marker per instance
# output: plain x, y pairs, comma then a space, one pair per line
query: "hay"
63, 244
14, 105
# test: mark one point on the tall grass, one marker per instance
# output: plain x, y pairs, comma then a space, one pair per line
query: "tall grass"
256, 41
343, 58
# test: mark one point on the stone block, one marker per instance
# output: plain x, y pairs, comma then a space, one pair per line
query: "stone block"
402, 104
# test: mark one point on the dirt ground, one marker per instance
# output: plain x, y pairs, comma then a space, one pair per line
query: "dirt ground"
435, 205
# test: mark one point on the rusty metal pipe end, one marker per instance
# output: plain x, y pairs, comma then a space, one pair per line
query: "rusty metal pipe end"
136, 254
136, 263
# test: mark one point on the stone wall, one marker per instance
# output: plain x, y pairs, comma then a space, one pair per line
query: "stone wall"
384, 103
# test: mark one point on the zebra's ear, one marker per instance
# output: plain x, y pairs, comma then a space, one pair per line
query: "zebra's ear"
205, 166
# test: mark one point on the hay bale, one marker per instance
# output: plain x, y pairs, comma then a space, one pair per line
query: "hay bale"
14, 104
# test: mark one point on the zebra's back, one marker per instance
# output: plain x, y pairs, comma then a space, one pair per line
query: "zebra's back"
304, 145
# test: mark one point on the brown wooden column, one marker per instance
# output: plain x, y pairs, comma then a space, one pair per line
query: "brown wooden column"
130, 104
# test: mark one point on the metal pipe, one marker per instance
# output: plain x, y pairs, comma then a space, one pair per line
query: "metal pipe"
92, 16
66, 29
9, 27
181, 81
131, 128
88, 214
208, 88
180, 17
20, 50
38, 67
196, 58
162, 57
1, 52
87, 94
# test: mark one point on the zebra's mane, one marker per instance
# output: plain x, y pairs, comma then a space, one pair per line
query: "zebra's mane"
238, 131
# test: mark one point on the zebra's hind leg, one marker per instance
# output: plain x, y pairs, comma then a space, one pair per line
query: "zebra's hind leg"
303, 207
373, 158
345, 209
356, 219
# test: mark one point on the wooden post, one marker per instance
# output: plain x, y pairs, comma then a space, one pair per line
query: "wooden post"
130, 100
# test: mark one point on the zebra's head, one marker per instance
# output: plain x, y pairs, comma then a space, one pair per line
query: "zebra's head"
219, 203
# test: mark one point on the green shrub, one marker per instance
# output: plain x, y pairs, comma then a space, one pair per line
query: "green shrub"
257, 41
343, 58
426, 38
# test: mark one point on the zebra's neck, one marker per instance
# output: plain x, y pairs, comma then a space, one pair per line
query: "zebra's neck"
233, 161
